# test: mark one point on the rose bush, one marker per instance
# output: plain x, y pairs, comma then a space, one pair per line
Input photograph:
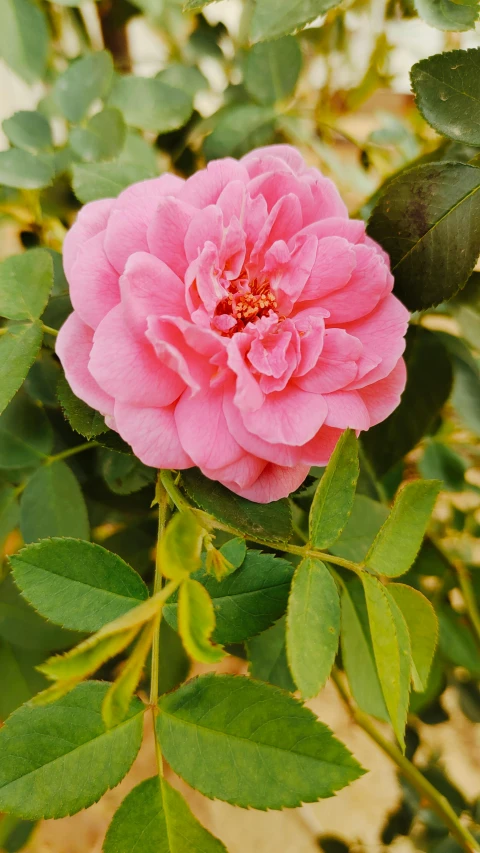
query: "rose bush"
238, 321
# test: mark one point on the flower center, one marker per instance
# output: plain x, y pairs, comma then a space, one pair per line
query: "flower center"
244, 304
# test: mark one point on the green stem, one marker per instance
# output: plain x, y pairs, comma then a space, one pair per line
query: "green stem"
64, 454
437, 802
162, 499
49, 330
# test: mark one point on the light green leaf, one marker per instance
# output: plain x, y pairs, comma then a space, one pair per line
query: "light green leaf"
272, 19
81, 417
19, 345
28, 129
427, 212
399, 539
267, 655
138, 152
333, 500
18, 668
235, 551
271, 70
422, 625
447, 89
26, 437
391, 646
196, 621
365, 521
181, 546
59, 759
188, 78
53, 505
92, 181
172, 828
25, 284
24, 38
248, 600
269, 521
447, 14
357, 652
85, 80
75, 583
250, 744
25, 170
313, 626
102, 138
238, 129
117, 701
86, 658
150, 104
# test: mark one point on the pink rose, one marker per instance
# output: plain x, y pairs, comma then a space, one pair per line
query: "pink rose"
238, 321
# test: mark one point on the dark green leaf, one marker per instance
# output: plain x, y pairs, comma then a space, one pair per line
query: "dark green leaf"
75, 583
441, 462
267, 654
19, 345
250, 744
41, 381
247, 601
150, 104
271, 70
365, 521
59, 759
174, 662
429, 382
53, 505
313, 626
272, 19
26, 436
457, 642
172, 828
9, 512
447, 89
24, 38
196, 621
399, 539
105, 180
22, 626
28, 129
14, 833
238, 129
447, 14
124, 474
272, 521
85, 80
102, 138
25, 170
19, 675
430, 212
422, 626
466, 382
25, 284
81, 417
333, 500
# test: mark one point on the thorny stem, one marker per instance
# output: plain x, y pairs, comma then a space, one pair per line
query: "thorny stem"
162, 500
437, 802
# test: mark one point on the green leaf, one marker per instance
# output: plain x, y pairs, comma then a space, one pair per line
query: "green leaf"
399, 539
188, 78
19, 345
267, 655
14, 833
75, 583
430, 211
28, 129
150, 104
82, 418
270, 70
466, 385
422, 625
391, 646
196, 621
447, 89
313, 626
457, 642
181, 546
357, 652
25, 284
238, 129
26, 437
24, 170
174, 664
440, 462
59, 759
248, 600
447, 14
18, 668
124, 473
92, 181
24, 38
83, 660
53, 505
365, 521
22, 626
102, 138
250, 744
85, 80
271, 19
333, 500
429, 382
270, 521
9, 512
235, 551
117, 700
172, 828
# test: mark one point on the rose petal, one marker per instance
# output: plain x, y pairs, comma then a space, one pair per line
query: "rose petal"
94, 289
73, 346
91, 219
203, 415
152, 434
